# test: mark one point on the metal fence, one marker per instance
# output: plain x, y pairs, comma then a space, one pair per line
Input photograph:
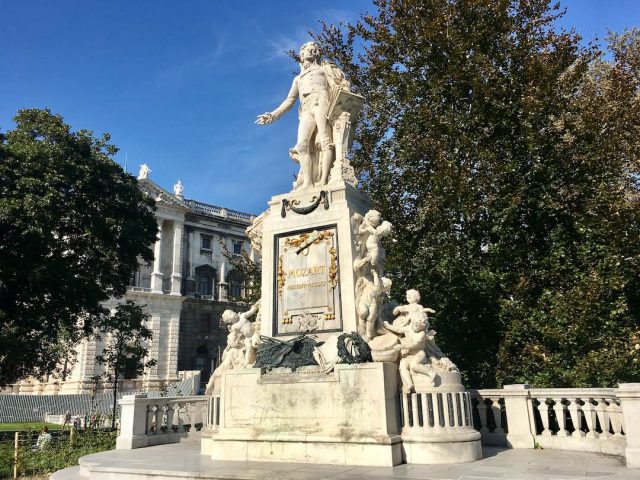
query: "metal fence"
32, 408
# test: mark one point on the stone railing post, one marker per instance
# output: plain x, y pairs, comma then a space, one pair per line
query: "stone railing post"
516, 402
629, 396
133, 423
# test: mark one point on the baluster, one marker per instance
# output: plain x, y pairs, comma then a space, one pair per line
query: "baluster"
405, 410
414, 410
543, 408
170, 412
590, 416
449, 418
212, 409
496, 410
467, 412
440, 407
560, 409
615, 415
575, 411
482, 413
426, 412
603, 417
180, 421
153, 419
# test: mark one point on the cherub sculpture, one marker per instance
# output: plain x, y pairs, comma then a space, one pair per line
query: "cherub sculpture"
402, 312
371, 231
369, 306
413, 341
242, 341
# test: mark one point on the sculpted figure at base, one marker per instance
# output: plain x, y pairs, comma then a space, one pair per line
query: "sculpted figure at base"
370, 298
314, 86
242, 342
413, 341
371, 286
402, 312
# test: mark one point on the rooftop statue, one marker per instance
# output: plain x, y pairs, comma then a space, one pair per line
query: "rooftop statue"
326, 104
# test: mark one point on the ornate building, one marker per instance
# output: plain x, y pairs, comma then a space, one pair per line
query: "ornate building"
185, 290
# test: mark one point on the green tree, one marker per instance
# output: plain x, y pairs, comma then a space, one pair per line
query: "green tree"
126, 337
73, 226
505, 153
249, 270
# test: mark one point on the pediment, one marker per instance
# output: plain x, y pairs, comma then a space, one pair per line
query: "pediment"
162, 197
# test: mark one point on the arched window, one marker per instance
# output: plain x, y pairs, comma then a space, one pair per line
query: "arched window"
205, 280
236, 285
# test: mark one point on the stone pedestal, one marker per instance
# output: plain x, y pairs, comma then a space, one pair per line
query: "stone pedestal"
347, 417
307, 261
438, 423
629, 395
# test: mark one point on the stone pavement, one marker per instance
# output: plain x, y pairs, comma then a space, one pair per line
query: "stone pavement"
183, 460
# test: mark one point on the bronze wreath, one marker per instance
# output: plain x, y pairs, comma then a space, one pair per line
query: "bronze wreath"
363, 351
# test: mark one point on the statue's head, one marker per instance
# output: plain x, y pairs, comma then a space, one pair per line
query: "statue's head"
229, 317
386, 284
373, 217
413, 296
310, 52
418, 321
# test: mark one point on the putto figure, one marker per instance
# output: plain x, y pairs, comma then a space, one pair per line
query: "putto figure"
242, 341
413, 305
315, 86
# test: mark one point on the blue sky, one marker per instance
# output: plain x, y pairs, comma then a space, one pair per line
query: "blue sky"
178, 84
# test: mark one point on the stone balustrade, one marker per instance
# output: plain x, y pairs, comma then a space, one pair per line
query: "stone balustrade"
584, 419
159, 420
603, 420
435, 412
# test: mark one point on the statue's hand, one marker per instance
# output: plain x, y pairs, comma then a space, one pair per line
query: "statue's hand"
264, 119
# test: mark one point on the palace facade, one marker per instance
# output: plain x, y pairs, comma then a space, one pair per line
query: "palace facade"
185, 290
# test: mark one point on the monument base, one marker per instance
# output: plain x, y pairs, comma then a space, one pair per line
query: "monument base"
443, 448
347, 417
438, 424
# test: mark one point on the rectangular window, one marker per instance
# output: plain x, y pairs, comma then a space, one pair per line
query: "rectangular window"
237, 248
205, 242
204, 287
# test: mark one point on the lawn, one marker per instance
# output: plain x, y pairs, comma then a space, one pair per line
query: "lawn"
62, 452
26, 426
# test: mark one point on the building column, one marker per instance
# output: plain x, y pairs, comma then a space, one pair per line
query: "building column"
191, 248
222, 285
176, 275
156, 275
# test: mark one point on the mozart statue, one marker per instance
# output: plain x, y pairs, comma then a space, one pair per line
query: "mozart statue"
317, 86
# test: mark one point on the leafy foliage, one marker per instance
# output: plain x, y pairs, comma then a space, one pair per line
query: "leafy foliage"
506, 155
124, 353
73, 226
249, 270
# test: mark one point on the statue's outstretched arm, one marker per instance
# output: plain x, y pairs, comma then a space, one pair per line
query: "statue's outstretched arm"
284, 107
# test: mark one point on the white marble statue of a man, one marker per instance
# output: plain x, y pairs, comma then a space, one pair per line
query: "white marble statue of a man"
313, 86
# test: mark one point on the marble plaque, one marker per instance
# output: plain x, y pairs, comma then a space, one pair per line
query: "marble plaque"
307, 282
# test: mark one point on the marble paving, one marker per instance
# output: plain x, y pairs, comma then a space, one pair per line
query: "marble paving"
183, 460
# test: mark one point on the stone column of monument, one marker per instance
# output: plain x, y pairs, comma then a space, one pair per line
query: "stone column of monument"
157, 275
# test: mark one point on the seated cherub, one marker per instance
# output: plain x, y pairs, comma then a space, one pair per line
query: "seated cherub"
413, 305
413, 341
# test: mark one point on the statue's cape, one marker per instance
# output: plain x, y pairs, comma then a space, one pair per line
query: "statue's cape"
335, 76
